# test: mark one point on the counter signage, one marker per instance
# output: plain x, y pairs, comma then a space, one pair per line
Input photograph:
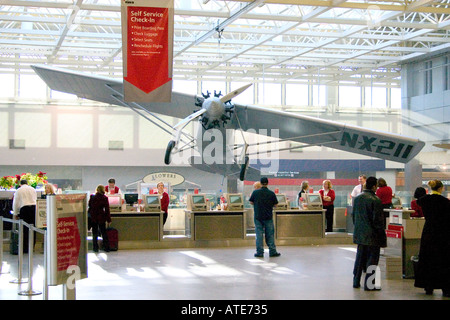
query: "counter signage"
41, 213
147, 35
167, 177
66, 239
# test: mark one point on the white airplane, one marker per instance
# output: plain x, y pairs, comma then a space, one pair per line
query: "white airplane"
218, 114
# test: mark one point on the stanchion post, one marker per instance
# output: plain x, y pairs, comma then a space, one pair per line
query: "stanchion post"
19, 279
1, 245
45, 288
30, 291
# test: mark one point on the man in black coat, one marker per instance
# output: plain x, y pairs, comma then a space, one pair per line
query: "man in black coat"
369, 234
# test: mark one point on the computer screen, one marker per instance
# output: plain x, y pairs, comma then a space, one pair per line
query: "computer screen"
281, 198
114, 201
131, 198
314, 198
235, 199
152, 199
198, 199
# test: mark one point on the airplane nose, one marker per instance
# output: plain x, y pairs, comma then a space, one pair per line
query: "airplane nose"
215, 108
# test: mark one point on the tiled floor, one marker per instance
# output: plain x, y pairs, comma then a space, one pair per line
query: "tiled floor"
302, 272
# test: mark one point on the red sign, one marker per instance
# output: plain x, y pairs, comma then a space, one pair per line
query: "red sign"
68, 242
148, 56
394, 234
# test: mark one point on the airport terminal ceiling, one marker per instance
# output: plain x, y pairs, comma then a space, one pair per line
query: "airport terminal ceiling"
361, 42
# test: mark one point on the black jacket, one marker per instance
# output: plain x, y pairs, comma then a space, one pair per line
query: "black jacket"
368, 218
433, 270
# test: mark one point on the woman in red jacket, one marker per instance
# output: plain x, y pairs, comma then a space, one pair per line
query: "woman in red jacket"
164, 200
100, 214
328, 195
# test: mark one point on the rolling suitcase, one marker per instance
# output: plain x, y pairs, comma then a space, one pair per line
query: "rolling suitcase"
113, 238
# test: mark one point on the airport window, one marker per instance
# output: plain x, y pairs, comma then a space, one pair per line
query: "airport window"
246, 97
375, 97
396, 98
349, 97
185, 86
34, 128
7, 87
446, 73
31, 86
428, 77
269, 94
75, 130
297, 94
115, 127
4, 129
319, 95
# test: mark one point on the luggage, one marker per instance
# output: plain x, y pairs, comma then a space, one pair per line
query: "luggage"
113, 238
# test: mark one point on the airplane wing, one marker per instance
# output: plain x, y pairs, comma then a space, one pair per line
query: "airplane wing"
109, 90
315, 131
294, 127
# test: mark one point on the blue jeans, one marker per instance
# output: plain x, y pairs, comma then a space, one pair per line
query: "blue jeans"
265, 227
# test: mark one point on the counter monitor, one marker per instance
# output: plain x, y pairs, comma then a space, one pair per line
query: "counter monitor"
235, 201
314, 201
115, 202
196, 202
396, 202
282, 202
152, 202
131, 198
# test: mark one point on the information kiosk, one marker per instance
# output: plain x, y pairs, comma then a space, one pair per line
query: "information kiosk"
282, 202
152, 202
235, 201
196, 202
115, 202
131, 198
314, 201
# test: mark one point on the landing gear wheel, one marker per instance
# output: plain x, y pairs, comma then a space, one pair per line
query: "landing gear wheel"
244, 167
167, 156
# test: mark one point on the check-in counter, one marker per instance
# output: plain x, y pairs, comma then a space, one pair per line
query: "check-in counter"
215, 225
291, 224
403, 235
138, 226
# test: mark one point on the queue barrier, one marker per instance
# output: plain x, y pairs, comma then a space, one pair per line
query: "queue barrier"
20, 280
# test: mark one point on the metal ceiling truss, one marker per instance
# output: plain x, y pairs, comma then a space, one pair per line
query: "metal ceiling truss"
284, 41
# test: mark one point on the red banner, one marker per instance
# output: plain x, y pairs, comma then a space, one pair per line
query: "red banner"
68, 242
148, 38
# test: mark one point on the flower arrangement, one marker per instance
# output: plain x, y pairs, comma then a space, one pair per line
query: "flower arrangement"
9, 182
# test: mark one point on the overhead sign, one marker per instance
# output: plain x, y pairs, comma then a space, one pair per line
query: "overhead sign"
169, 177
147, 42
66, 239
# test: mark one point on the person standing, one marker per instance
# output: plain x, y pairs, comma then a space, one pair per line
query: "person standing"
24, 206
328, 195
418, 193
369, 234
301, 195
433, 269
164, 196
358, 189
100, 215
263, 201
111, 188
384, 192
